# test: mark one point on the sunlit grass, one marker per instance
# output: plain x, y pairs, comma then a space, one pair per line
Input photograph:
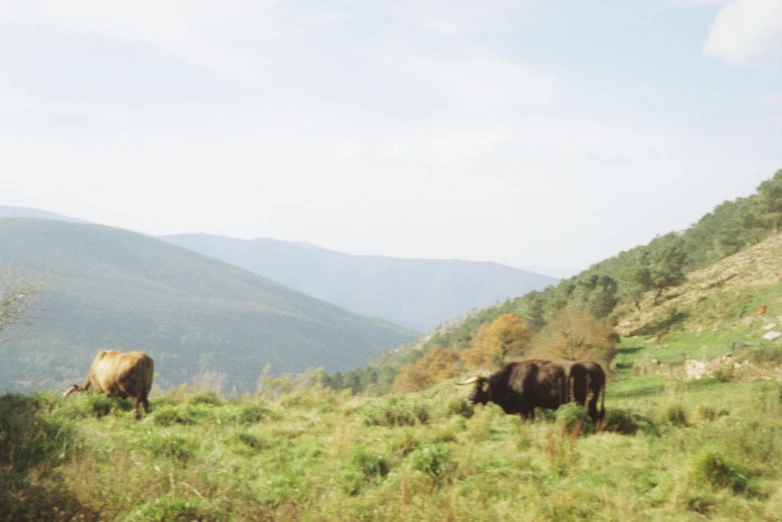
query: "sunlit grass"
667, 451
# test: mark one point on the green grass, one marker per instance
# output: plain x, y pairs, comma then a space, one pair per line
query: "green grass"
668, 451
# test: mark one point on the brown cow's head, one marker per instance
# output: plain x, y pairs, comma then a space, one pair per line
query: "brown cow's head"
481, 394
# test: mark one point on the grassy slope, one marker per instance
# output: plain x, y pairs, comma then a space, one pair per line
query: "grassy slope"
108, 288
705, 449
675, 450
713, 313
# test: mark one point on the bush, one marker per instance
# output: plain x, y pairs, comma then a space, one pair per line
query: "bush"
460, 406
434, 459
713, 468
627, 423
27, 437
32, 444
365, 465
394, 411
675, 415
250, 413
574, 419
249, 442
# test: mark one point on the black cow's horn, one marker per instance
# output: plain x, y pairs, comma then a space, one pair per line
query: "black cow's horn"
468, 381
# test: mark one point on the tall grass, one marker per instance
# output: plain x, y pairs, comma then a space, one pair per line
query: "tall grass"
665, 451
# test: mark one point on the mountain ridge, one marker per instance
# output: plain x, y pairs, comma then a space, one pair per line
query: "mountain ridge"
416, 293
110, 288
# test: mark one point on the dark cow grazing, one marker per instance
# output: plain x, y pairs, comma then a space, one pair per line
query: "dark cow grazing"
522, 386
586, 380
120, 375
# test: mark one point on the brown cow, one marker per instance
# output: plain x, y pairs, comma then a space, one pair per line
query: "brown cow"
522, 386
120, 375
585, 382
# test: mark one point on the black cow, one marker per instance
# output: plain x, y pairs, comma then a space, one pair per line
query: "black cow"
522, 386
586, 381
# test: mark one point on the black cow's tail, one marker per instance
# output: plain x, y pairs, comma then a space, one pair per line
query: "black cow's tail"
603, 402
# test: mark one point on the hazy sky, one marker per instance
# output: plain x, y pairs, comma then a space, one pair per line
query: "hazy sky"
528, 132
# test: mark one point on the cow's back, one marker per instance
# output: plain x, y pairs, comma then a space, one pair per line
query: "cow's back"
541, 380
123, 374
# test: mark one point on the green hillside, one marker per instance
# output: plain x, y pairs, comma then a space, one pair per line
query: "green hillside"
683, 294
669, 451
108, 288
671, 448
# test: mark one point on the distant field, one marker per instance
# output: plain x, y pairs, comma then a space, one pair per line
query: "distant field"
675, 451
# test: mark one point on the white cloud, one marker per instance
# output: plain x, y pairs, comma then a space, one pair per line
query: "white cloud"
411, 128
230, 37
746, 29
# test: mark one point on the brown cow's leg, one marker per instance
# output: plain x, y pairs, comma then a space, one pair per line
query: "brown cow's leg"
135, 409
145, 404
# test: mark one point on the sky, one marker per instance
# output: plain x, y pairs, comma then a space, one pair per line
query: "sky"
533, 133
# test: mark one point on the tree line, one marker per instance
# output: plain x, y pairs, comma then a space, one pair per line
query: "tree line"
602, 291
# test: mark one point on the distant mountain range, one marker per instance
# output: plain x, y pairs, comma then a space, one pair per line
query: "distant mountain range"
416, 293
104, 287
223, 305
24, 212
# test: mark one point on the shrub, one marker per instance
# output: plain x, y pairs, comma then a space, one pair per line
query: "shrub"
713, 468
576, 335
708, 413
627, 423
460, 406
28, 437
435, 366
250, 441
253, 412
394, 411
574, 419
434, 459
365, 465
675, 415
406, 443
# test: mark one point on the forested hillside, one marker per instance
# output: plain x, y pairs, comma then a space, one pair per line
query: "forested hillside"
636, 283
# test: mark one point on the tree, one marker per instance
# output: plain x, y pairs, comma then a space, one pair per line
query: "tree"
666, 265
769, 201
435, 366
534, 315
595, 293
506, 336
576, 335
17, 296
635, 278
